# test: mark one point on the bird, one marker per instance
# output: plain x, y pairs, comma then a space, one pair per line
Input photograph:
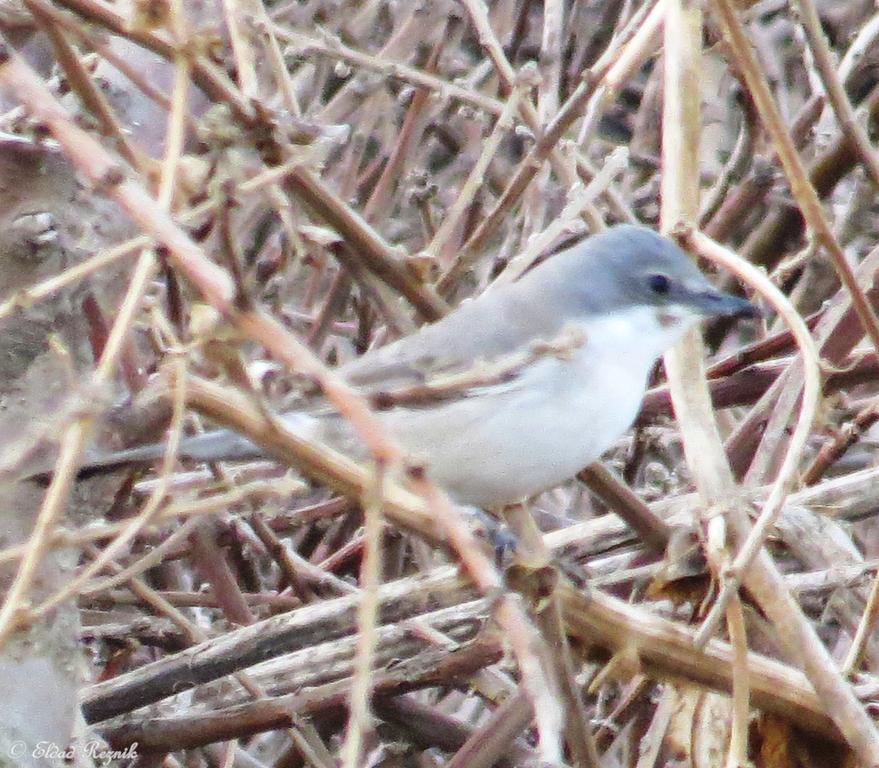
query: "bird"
517, 390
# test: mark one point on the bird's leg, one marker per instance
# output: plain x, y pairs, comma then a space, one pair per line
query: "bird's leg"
492, 529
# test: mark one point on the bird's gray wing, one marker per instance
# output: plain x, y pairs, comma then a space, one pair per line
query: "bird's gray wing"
494, 326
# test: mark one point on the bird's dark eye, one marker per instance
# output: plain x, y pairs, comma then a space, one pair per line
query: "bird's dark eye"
659, 284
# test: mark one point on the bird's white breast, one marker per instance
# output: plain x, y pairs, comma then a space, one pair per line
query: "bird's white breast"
514, 440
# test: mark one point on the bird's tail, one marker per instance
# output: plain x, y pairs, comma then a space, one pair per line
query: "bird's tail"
218, 445
221, 444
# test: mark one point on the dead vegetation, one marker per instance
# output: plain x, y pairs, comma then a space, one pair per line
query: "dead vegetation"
207, 205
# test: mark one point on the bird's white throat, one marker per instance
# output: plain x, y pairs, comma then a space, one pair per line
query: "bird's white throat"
640, 333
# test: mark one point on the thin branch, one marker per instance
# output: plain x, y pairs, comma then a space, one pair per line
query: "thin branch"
833, 84
787, 475
801, 186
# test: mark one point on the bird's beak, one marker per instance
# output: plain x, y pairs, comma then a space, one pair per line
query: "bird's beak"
714, 303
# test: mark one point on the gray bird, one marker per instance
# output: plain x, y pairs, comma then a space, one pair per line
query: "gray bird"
517, 390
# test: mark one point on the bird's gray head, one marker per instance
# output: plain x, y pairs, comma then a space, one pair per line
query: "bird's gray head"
628, 267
